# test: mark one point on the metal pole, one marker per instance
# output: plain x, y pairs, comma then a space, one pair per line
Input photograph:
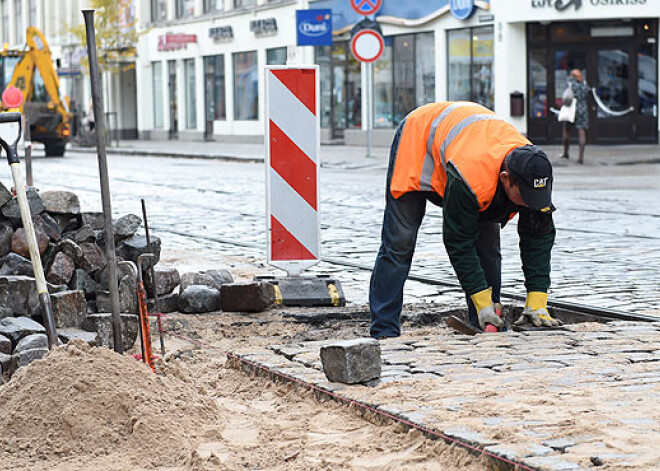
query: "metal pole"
370, 69
152, 273
28, 153
99, 118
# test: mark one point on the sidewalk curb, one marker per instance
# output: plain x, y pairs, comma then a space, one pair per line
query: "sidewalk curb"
179, 155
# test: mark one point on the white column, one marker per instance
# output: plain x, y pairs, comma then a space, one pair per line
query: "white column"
441, 64
200, 84
510, 69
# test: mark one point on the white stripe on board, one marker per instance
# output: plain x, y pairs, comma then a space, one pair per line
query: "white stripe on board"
292, 117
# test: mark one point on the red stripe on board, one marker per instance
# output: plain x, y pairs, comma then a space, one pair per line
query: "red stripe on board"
302, 83
284, 246
293, 165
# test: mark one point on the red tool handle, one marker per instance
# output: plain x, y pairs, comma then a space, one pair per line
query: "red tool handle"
490, 327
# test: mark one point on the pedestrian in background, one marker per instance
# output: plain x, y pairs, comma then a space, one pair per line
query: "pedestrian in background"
482, 172
580, 91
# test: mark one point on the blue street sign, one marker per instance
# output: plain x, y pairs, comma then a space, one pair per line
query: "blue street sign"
461, 9
314, 27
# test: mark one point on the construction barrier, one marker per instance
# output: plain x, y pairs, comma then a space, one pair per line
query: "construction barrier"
292, 167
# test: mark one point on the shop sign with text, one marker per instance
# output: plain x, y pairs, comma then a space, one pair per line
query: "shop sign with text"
562, 5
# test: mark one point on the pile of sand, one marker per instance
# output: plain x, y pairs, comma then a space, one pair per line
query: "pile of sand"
83, 405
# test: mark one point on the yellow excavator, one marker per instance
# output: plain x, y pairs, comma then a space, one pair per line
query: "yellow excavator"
32, 71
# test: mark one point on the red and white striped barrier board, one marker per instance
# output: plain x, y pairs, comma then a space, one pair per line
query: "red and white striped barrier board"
292, 167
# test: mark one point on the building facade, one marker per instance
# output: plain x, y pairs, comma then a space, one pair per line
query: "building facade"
200, 67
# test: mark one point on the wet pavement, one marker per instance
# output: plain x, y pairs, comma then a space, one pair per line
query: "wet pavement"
608, 221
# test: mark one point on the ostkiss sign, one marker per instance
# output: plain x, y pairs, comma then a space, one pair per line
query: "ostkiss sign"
461, 9
314, 27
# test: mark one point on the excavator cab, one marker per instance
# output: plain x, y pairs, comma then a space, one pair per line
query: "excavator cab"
32, 71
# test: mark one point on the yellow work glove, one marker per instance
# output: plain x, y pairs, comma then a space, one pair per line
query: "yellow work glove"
483, 302
536, 311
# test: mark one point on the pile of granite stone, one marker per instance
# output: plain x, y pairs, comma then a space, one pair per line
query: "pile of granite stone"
72, 248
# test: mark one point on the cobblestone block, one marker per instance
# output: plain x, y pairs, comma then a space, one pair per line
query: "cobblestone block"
518, 451
5, 363
31, 342
166, 304
15, 328
197, 299
61, 202
12, 211
26, 357
211, 278
14, 264
126, 226
94, 219
553, 463
167, 278
61, 270
5, 345
131, 248
19, 242
352, 361
69, 308
101, 323
467, 435
71, 333
253, 296
93, 258
6, 233
82, 281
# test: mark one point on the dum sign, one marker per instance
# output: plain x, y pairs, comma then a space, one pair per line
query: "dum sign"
314, 27
461, 9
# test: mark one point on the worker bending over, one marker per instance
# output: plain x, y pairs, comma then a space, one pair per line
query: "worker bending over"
482, 171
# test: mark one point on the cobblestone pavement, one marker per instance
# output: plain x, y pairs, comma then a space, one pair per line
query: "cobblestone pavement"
608, 222
553, 400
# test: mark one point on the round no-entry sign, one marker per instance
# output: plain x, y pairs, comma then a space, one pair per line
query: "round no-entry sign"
366, 7
367, 45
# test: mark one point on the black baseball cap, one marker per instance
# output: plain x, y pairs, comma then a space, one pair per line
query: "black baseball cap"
531, 167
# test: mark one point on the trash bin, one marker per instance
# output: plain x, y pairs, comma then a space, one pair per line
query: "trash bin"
517, 100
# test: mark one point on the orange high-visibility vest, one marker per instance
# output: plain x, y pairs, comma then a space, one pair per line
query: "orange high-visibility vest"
474, 139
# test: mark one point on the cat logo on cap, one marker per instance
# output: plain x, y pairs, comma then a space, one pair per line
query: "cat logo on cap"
540, 182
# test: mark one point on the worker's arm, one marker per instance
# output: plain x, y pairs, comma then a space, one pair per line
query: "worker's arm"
460, 233
537, 236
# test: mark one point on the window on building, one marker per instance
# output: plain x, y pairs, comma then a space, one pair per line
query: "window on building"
470, 65
157, 81
216, 107
538, 84
647, 81
18, 14
32, 13
276, 56
158, 10
5, 21
246, 86
244, 3
184, 8
406, 70
191, 98
212, 6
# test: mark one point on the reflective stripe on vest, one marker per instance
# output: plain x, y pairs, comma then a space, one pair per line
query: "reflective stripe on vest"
429, 162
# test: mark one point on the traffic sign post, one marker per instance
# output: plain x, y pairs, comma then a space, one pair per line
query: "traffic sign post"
367, 45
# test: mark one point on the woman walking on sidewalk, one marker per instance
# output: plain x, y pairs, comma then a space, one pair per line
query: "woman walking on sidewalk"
581, 93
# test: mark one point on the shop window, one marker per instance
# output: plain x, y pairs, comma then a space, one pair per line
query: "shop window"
470, 65
537, 33
212, 6
191, 97
276, 56
383, 113
32, 13
538, 84
157, 87
215, 88
323, 60
406, 70
341, 86
613, 80
245, 3
18, 14
185, 8
158, 10
5, 20
647, 81
246, 86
